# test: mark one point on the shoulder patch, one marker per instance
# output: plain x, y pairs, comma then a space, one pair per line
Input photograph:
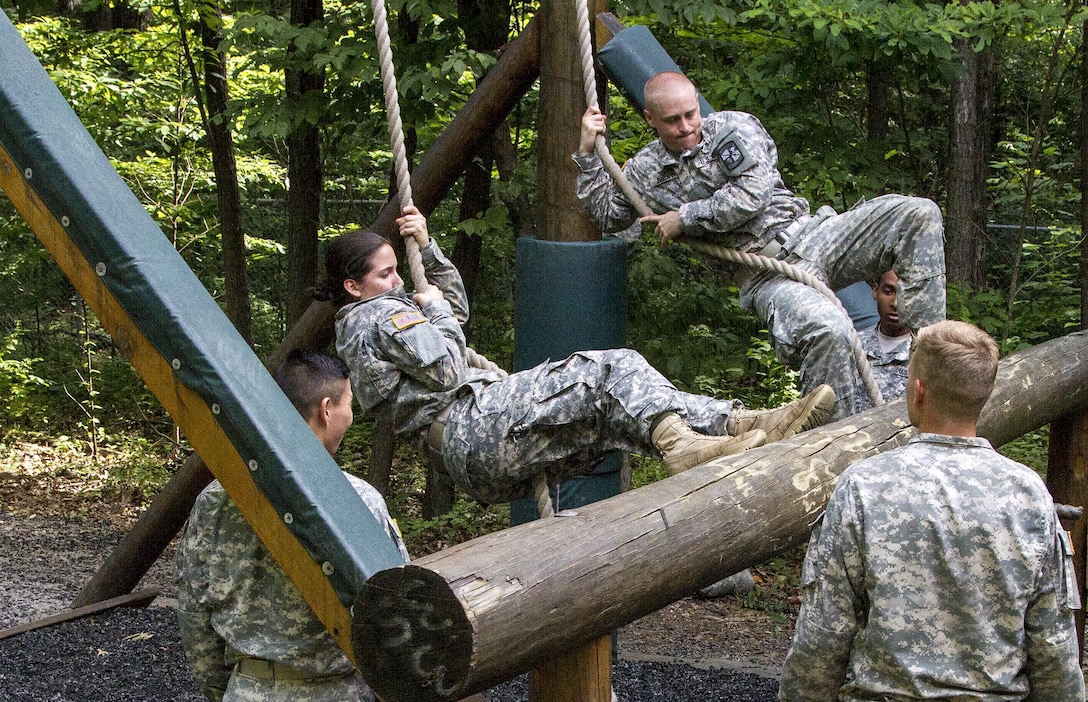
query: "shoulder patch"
733, 154
407, 319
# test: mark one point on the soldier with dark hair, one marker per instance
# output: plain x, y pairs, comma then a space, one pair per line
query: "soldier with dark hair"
493, 434
248, 633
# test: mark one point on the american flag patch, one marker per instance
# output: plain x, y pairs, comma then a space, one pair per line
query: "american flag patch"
407, 319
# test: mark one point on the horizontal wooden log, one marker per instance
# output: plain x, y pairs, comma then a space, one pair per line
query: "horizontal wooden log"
463, 619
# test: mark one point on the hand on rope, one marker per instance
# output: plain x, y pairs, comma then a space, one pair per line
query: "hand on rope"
413, 224
666, 226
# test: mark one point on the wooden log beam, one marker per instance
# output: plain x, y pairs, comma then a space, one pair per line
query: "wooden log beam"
496, 95
143, 598
1067, 479
461, 620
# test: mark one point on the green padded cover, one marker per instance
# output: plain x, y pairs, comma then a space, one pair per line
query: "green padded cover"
570, 296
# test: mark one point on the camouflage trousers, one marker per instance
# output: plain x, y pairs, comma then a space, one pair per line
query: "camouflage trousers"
562, 418
348, 689
808, 331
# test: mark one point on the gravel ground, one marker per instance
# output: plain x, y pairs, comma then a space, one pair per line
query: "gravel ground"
685, 653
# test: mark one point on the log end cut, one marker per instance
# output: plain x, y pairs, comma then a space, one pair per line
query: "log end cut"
412, 639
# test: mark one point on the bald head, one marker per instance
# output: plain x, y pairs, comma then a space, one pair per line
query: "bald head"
666, 84
672, 109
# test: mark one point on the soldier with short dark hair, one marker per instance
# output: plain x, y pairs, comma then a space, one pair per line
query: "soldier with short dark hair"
249, 635
887, 343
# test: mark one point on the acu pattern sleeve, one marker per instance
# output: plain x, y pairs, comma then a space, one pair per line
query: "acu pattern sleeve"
426, 345
204, 648
605, 203
816, 666
1054, 672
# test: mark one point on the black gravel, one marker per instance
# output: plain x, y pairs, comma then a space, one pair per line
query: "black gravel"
135, 655
128, 655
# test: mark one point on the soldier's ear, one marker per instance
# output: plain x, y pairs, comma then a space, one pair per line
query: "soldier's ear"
353, 288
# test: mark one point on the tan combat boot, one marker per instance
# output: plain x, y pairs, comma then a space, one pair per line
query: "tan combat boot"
682, 447
785, 421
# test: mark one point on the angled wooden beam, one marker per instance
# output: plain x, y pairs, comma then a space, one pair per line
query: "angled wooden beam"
500, 90
180, 342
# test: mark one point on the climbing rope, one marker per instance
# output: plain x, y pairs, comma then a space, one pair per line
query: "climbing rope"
404, 191
589, 80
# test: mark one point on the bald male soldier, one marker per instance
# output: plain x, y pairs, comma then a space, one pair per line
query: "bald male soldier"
717, 179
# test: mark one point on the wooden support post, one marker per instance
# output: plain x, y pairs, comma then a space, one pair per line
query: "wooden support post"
460, 620
579, 674
583, 675
1067, 478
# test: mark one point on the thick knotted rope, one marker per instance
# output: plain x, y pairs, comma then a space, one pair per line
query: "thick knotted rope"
724, 252
404, 191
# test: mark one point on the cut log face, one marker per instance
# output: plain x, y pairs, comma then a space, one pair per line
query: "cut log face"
456, 622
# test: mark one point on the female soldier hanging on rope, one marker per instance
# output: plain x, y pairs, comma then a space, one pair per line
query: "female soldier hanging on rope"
493, 433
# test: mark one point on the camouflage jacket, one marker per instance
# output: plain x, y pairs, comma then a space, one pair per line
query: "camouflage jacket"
889, 367
727, 188
940, 571
406, 359
233, 598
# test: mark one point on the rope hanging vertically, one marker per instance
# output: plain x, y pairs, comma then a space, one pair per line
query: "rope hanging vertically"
589, 79
404, 193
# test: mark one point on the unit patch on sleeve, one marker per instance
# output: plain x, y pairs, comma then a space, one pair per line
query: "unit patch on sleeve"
733, 154
407, 319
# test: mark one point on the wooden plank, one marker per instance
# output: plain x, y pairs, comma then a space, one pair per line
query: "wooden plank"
498, 92
460, 620
187, 408
134, 599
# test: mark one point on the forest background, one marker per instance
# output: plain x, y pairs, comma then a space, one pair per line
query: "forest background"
254, 132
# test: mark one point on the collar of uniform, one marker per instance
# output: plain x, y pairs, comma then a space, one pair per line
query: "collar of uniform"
956, 441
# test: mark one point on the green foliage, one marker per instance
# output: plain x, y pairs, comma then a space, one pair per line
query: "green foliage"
17, 377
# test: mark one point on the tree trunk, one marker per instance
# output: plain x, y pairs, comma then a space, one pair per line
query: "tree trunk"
487, 27
877, 72
304, 174
111, 15
458, 621
964, 232
231, 222
1083, 129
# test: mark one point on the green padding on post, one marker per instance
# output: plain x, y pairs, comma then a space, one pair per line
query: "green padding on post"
174, 311
570, 296
634, 56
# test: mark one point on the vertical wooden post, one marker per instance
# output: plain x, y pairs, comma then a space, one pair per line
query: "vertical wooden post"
582, 675
585, 674
1067, 478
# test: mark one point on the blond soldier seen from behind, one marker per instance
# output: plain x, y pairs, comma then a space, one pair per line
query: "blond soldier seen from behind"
939, 570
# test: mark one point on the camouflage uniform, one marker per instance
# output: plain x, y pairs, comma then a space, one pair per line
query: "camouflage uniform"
502, 431
889, 367
939, 571
235, 602
728, 190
